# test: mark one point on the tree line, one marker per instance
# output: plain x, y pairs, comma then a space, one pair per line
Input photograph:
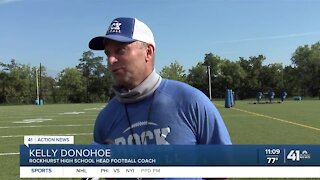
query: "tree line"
90, 80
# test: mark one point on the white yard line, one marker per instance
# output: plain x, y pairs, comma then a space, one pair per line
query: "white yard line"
66, 125
79, 118
8, 154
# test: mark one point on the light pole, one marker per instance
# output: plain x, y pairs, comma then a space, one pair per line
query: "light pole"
37, 85
209, 81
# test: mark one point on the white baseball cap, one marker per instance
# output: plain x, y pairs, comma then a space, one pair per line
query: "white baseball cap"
124, 29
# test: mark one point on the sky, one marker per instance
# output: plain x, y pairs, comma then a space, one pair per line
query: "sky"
55, 33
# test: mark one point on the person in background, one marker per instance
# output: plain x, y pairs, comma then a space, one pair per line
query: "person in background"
258, 97
283, 96
271, 95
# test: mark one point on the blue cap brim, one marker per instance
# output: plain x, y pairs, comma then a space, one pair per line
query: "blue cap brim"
97, 42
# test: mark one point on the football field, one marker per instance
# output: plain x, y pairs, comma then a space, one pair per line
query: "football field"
292, 122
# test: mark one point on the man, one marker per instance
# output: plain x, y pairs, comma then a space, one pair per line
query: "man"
258, 97
283, 96
148, 109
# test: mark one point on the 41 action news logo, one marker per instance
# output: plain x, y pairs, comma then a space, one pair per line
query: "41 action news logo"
297, 155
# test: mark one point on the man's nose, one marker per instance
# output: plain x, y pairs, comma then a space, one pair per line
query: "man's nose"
111, 60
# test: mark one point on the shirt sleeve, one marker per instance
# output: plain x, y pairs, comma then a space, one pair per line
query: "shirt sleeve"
211, 128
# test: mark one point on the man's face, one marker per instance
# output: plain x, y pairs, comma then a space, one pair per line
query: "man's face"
127, 62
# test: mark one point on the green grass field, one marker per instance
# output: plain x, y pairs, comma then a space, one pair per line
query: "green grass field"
292, 122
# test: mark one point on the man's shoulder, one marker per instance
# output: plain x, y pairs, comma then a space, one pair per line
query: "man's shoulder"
169, 84
112, 105
179, 89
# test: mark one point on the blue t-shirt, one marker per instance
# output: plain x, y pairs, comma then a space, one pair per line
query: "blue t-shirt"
175, 113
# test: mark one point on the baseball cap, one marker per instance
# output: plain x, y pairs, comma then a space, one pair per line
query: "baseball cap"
124, 29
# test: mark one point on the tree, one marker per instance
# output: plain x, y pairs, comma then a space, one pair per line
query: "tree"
72, 85
214, 62
21, 84
252, 81
231, 76
224, 74
290, 80
196, 77
271, 77
174, 71
97, 77
16, 82
307, 60
4, 85
49, 92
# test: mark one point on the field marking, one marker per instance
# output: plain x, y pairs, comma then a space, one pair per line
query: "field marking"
59, 118
274, 118
27, 121
71, 113
90, 109
74, 134
8, 154
16, 116
67, 125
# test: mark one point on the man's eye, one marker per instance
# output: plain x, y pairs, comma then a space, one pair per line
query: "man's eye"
121, 51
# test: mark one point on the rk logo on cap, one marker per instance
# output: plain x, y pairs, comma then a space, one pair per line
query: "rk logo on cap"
114, 27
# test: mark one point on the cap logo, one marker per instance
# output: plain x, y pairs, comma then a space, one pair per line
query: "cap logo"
115, 27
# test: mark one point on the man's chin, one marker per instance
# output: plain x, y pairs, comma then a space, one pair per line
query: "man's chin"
121, 82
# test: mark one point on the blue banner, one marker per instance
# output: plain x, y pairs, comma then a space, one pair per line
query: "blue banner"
170, 155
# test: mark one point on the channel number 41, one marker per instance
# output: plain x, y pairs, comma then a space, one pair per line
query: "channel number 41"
294, 155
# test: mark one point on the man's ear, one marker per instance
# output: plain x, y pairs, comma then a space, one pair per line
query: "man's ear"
150, 52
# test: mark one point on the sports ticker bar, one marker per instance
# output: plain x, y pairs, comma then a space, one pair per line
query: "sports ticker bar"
69, 160
170, 172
